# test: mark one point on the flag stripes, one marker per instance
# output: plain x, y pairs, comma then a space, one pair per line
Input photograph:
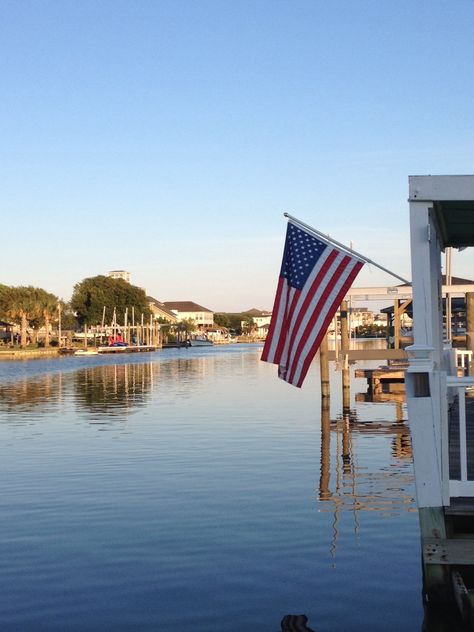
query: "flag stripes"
307, 297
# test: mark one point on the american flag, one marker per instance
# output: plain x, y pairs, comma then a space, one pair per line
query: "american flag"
314, 278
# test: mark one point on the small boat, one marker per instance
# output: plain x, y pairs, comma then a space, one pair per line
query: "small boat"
200, 341
86, 352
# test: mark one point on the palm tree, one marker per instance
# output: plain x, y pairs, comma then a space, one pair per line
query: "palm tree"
21, 305
186, 326
47, 308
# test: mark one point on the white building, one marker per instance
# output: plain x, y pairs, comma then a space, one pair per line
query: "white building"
361, 317
120, 274
260, 318
188, 310
159, 310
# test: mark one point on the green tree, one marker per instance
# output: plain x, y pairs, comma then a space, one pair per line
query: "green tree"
21, 306
4, 290
47, 309
222, 319
68, 318
91, 295
248, 325
233, 321
186, 326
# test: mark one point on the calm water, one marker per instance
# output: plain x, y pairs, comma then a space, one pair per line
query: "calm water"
187, 489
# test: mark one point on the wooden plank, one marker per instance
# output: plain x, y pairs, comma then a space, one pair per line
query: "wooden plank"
377, 398
373, 354
444, 552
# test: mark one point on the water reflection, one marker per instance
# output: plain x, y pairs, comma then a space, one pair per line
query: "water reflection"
27, 395
295, 623
353, 486
113, 389
355, 489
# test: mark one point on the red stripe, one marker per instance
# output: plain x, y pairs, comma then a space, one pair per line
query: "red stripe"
322, 303
273, 321
285, 325
312, 352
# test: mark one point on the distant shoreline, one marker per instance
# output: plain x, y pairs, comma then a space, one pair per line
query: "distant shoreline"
21, 354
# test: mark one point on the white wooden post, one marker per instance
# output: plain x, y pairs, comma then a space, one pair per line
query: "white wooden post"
425, 381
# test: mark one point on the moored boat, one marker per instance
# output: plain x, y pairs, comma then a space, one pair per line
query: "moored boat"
86, 352
200, 341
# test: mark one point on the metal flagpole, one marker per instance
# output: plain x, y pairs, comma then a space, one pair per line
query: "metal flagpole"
353, 253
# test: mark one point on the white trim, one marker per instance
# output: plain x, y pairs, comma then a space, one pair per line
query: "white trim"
461, 488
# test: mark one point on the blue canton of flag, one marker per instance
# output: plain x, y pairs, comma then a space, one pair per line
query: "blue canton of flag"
302, 251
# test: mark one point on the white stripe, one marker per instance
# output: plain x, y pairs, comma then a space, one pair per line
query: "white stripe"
278, 323
316, 329
284, 355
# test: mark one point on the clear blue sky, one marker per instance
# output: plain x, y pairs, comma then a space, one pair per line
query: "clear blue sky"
166, 138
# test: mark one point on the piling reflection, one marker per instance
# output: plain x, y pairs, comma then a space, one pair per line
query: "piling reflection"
113, 389
346, 486
348, 476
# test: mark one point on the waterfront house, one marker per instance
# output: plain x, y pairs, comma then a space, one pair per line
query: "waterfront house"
261, 323
160, 311
440, 410
259, 317
188, 310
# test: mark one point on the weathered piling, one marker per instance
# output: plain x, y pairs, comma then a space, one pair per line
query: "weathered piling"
396, 324
346, 388
324, 491
324, 369
346, 442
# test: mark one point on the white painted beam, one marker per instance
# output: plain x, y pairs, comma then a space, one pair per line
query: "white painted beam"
402, 292
440, 188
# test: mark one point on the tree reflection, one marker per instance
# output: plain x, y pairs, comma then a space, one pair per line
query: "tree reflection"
28, 394
113, 389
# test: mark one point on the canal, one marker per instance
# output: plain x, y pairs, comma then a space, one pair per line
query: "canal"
191, 489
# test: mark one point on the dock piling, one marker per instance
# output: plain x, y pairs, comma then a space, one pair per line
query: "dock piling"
346, 389
324, 369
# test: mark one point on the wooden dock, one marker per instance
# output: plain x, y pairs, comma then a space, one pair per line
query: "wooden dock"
385, 379
370, 354
130, 349
105, 349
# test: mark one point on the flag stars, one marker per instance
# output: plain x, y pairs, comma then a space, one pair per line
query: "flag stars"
301, 255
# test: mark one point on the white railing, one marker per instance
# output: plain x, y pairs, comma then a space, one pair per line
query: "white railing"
462, 487
464, 360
